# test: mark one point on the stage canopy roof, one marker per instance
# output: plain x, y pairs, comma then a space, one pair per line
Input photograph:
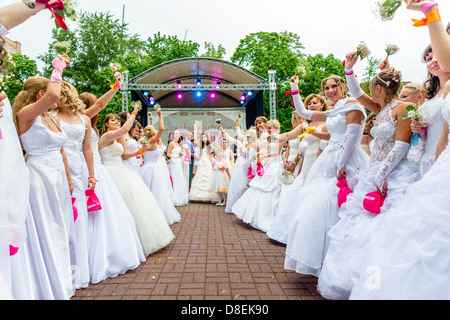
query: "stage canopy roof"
227, 80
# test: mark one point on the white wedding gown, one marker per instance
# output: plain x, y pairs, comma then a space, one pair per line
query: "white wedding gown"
356, 226
409, 259
152, 228
153, 178
259, 203
51, 206
180, 188
114, 246
199, 186
316, 206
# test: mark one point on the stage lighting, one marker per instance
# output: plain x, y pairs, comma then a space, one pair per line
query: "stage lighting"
243, 97
179, 84
250, 93
145, 93
198, 94
179, 96
198, 81
242, 101
218, 85
213, 95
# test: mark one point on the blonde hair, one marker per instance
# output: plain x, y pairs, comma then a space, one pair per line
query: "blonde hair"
29, 94
339, 81
69, 98
416, 88
149, 131
275, 123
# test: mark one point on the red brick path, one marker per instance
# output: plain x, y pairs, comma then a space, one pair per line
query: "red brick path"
214, 256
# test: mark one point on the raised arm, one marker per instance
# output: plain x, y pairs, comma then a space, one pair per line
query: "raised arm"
110, 136
17, 13
103, 101
27, 115
160, 131
353, 85
300, 107
440, 40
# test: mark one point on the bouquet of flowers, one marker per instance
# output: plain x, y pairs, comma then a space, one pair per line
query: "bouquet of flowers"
287, 177
362, 50
413, 114
117, 68
63, 47
300, 71
194, 122
218, 121
156, 107
391, 49
240, 116
386, 10
139, 103
62, 10
144, 140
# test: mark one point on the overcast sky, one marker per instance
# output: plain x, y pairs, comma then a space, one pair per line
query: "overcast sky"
324, 26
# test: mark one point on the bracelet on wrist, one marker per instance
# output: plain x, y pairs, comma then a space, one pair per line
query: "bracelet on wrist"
134, 113
348, 72
427, 6
29, 4
431, 16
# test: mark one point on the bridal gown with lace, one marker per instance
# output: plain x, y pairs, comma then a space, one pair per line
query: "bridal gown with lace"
409, 258
152, 228
357, 225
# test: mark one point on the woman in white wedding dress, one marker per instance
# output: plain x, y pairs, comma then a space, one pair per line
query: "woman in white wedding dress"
199, 186
70, 111
388, 171
317, 205
151, 173
409, 257
152, 228
113, 243
163, 166
180, 188
51, 214
259, 203
308, 149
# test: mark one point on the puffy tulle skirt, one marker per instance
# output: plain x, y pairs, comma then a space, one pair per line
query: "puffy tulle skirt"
279, 228
154, 180
218, 181
316, 210
114, 246
180, 188
355, 229
410, 256
239, 183
151, 225
200, 183
162, 164
259, 203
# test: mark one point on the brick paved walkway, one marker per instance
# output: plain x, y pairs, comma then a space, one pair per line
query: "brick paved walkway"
214, 256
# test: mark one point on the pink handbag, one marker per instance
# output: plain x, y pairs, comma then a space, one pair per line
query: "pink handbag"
250, 173
344, 191
259, 169
75, 210
93, 204
14, 242
374, 201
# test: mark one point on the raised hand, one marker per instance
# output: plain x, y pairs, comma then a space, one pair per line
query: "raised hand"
350, 60
294, 81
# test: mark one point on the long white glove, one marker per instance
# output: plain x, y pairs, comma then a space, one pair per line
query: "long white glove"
397, 153
353, 85
350, 141
299, 106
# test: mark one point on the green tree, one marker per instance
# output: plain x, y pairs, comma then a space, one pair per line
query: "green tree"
20, 68
264, 51
371, 71
212, 52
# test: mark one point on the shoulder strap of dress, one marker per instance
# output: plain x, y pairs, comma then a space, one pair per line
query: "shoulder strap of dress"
54, 120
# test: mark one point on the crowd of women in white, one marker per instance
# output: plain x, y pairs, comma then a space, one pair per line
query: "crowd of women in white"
289, 185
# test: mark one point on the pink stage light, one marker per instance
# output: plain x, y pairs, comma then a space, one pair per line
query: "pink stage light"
179, 96
213, 95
